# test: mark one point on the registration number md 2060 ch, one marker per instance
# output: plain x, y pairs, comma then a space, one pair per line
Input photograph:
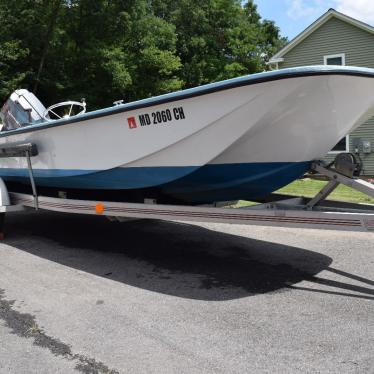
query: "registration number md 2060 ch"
157, 117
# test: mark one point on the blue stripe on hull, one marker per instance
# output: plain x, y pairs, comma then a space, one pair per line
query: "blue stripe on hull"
117, 178
193, 184
235, 181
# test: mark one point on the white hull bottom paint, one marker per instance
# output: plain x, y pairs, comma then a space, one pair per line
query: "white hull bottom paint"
237, 139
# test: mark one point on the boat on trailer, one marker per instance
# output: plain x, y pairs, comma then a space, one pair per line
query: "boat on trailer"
241, 138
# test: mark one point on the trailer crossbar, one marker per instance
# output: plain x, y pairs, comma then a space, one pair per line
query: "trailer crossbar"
355, 183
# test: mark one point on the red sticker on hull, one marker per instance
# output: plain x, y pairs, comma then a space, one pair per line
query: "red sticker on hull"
132, 122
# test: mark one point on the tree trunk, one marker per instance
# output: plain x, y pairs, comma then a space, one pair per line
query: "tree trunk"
51, 26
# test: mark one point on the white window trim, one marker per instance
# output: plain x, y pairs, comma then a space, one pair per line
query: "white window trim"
342, 55
346, 147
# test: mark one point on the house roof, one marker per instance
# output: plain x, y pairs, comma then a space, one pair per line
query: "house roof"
331, 13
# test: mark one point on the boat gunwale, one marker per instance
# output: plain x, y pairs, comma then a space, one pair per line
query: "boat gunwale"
246, 80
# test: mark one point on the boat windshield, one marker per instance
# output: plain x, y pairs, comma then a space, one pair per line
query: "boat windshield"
22, 108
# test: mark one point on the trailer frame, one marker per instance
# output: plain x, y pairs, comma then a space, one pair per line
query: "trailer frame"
280, 211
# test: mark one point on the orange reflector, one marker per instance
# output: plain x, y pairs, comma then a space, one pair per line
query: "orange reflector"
99, 208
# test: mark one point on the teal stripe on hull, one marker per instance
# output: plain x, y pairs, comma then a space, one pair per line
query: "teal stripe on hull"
193, 184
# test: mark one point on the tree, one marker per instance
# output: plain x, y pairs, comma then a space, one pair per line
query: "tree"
219, 39
11, 72
105, 50
51, 24
110, 50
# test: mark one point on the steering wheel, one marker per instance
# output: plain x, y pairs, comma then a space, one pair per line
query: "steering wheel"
68, 105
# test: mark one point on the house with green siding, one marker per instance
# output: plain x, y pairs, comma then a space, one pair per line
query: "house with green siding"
336, 39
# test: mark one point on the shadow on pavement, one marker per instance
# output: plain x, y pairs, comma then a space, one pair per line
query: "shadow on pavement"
166, 257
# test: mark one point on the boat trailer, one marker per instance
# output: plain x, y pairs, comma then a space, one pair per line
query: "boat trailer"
277, 210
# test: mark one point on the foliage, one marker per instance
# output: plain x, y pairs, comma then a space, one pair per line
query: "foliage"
104, 50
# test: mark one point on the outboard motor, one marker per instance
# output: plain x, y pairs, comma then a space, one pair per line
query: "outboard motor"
23, 107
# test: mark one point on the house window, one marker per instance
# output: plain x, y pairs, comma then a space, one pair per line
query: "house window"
341, 146
339, 59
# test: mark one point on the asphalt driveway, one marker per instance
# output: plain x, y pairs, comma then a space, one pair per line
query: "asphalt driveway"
82, 294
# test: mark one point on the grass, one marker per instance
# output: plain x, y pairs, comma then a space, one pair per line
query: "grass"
34, 329
309, 187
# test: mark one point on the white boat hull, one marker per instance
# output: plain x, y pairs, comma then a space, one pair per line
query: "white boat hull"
202, 141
